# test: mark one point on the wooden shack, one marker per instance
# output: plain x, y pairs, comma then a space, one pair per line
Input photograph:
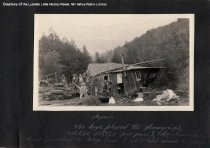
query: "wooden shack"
125, 79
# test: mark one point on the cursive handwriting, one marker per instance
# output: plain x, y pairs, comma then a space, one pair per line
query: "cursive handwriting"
100, 117
121, 133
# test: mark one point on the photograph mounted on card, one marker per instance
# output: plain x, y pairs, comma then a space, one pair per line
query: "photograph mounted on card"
113, 62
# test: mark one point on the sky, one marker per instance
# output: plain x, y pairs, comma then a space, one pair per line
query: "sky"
100, 32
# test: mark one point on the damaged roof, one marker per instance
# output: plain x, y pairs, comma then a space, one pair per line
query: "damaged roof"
98, 68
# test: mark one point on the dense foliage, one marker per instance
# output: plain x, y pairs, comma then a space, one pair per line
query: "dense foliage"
169, 42
61, 56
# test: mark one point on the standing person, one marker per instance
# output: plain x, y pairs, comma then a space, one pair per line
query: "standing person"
82, 90
75, 80
92, 88
56, 78
107, 87
64, 81
80, 79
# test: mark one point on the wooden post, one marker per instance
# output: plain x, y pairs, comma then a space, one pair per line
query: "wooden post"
123, 65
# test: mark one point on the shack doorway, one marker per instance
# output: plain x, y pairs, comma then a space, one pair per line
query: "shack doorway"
106, 77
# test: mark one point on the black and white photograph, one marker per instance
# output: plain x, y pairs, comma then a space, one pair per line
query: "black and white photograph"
105, 74
113, 62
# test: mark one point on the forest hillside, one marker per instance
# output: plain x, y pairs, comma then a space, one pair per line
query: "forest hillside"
170, 42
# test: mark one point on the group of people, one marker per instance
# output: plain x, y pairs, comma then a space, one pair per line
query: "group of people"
80, 82
77, 80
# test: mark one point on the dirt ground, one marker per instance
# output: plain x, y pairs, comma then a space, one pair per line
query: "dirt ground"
45, 100
75, 101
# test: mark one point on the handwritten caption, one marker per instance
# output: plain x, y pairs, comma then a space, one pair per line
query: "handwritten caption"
52, 4
124, 133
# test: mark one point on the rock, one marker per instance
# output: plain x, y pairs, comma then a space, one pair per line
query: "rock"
138, 100
111, 100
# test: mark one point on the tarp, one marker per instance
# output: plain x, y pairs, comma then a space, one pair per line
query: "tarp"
166, 95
